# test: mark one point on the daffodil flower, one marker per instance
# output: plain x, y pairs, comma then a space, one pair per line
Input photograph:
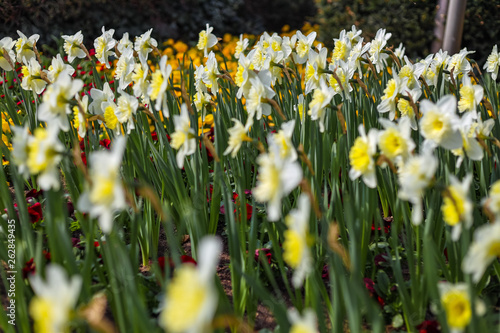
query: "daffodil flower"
211, 75
409, 75
356, 54
141, 85
297, 241
493, 62
144, 44
32, 77
342, 48
124, 68
260, 91
457, 207
6, 45
124, 43
126, 107
492, 202
322, 97
106, 194
191, 296
243, 73
388, 103
183, 139
470, 96
344, 72
307, 323
440, 124
55, 105
206, 40
276, 179
361, 157
377, 57
99, 97
72, 46
24, 47
237, 134
241, 46
104, 45
395, 140
55, 298
80, 116
315, 68
459, 64
457, 305
471, 146
158, 87
283, 139
58, 67
406, 109
304, 45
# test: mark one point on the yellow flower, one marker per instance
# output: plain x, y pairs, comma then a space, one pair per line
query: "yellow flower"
361, 157
456, 206
483, 251
457, 305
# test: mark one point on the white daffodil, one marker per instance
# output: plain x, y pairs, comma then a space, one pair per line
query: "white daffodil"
56, 101
72, 46
456, 302
297, 241
471, 146
344, 72
80, 116
406, 109
492, 202
377, 57
139, 78
395, 140
20, 150
110, 119
211, 75
258, 57
484, 249
124, 43
55, 298
414, 177
183, 139
44, 154
302, 324
391, 91
200, 100
457, 207
459, 64
237, 134
241, 46
300, 108
322, 97
58, 67
354, 35
24, 47
493, 62
191, 296
32, 77
276, 179
356, 54
106, 194
275, 58
283, 139
409, 75
243, 73
104, 45
126, 107
206, 40
400, 51
304, 45
342, 48
144, 45
7, 55
315, 69
99, 97
125, 68
439, 122
287, 46
470, 96
361, 157
259, 91
157, 90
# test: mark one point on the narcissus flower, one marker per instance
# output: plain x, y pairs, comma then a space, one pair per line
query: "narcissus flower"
54, 300
395, 140
297, 241
158, 87
211, 75
191, 296
126, 107
361, 157
104, 45
241, 46
304, 45
315, 69
276, 179
342, 48
72, 46
484, 249
492, 203
439, 123
206, 40
56, 101
388, 103
99, 97
493, 62
378, 58
260, 90
237, 134
283, 138
470, 96
183, 138
7, 55
58, 67
457, 207
322, 97
302, 324
105, 195
32, 77
80, 116
459, 64
457, 305
124, 68
24, 47
144, 44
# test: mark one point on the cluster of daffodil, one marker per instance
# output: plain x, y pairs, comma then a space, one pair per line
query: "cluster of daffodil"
292, 128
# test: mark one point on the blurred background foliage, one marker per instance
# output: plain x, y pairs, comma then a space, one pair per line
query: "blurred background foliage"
411, 22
